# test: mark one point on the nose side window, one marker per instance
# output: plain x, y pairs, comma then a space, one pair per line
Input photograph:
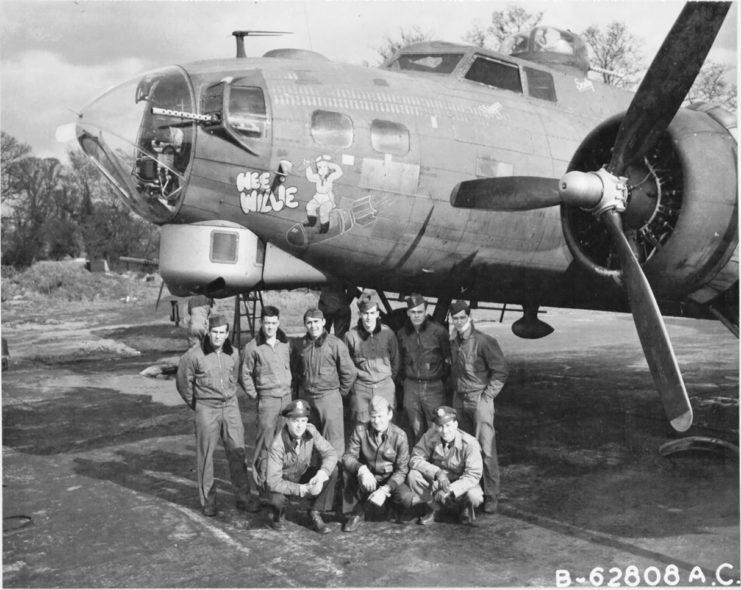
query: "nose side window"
332, 129
246, 112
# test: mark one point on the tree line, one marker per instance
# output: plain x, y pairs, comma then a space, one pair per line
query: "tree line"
52, 210
614, 50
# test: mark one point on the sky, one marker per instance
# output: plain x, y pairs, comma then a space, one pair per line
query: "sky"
58, 55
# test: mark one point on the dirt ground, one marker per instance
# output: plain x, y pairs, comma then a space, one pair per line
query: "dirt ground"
99, 483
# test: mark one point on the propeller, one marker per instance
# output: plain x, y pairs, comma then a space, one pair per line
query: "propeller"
506, 193
605, 192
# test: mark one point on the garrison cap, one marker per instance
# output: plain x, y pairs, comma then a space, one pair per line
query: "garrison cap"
445, 414
298, 408
458, 306
414, 300
379, 404
217, 320
366, 304
314, 313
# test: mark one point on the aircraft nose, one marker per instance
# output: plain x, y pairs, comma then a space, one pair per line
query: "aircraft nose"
140, 135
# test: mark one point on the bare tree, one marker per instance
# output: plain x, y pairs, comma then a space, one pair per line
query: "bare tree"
617, 53
504, 24
406, 37
713, 85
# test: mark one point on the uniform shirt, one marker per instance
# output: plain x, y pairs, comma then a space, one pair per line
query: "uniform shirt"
289, 458
461, 461
266, 370
386, 454
376, 355
323, 365
424, 353
206, 375
477, 364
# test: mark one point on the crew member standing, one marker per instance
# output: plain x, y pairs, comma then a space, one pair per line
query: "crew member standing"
266, 375
207, 380
375, 352
424, 347
324, 374
334, 302
479, 372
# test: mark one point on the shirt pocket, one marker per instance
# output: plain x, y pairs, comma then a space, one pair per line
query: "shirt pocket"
389, 455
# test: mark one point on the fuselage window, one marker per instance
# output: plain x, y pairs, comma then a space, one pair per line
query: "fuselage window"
434, 63
224, 246
331, 129
388, 137
246, 113
540, 84
495, 73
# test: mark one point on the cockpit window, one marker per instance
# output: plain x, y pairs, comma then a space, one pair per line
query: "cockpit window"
433, 63
495, 73
540, 84
331, 129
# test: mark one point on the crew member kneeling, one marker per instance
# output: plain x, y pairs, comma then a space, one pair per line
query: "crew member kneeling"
293, 470
376, 465
445, 469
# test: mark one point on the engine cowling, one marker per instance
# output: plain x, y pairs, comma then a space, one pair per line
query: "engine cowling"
682, 213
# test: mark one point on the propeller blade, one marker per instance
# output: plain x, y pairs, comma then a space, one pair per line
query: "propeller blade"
651, 330
506, 193
667, 82
159, 296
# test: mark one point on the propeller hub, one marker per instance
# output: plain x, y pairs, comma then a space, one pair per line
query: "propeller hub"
595, 192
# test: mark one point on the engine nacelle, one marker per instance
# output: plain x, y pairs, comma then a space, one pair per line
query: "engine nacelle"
222, 259
682, 214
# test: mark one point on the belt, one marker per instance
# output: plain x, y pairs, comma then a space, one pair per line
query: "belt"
427, 380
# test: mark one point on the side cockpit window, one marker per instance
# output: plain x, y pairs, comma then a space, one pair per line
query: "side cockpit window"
331, 129
495, 73
540, 84
431, 63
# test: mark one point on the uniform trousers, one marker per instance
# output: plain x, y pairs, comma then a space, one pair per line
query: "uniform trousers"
269, 422
327, 416
323, 502
423, 489
352, 494
363, 392
213, 424
421, 399
476, 417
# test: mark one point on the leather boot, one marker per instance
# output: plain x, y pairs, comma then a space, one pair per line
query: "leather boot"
311, 222
324, 228
248, 502
317, 523
467, 515
209, 508
277, 523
